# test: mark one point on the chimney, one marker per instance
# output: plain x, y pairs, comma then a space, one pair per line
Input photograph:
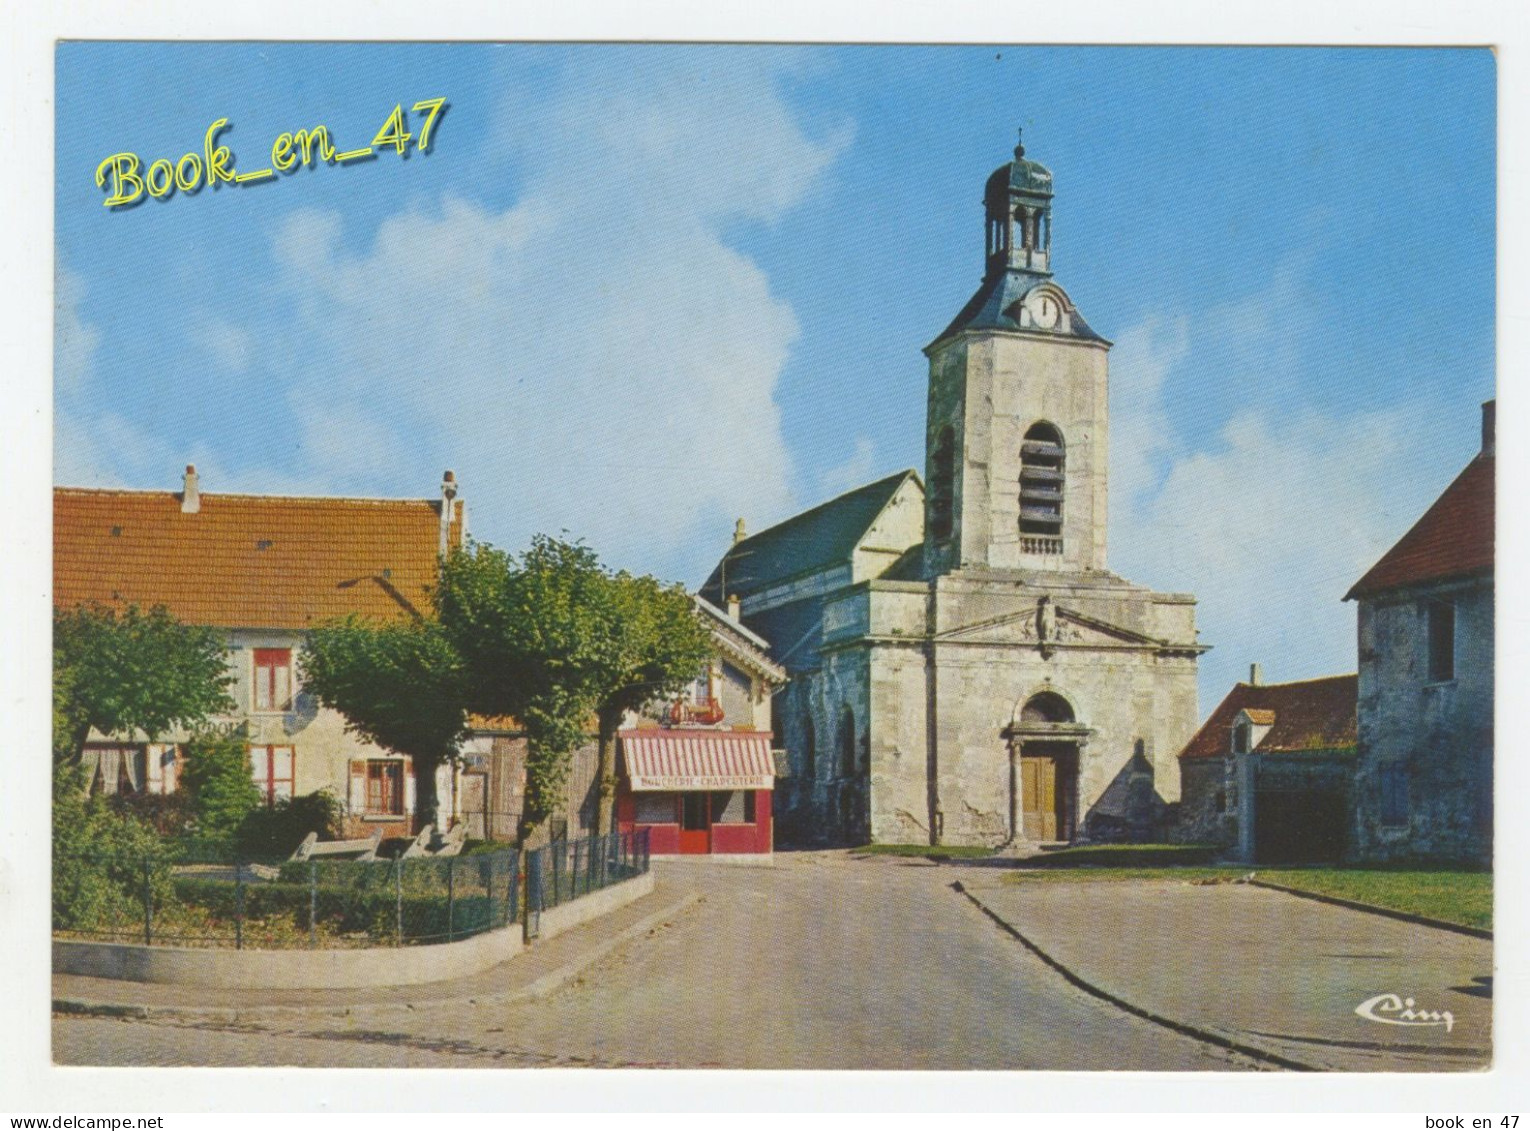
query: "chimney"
738, 532
1489, 427
191, 498
1255, 675
733, 607
448, 494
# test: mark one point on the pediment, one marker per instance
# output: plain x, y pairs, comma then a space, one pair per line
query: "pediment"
1061, 627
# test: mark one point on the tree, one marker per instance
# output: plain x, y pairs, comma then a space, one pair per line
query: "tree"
553, 638
217, 778
399, 684
529, 631
658, 644
133, 671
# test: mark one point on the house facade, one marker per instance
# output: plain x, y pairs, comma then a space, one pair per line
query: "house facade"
1269, 774
263, 570
1424, 775
965, 669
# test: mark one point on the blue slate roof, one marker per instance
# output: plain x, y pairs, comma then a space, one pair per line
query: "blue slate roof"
816, 539
1000, 292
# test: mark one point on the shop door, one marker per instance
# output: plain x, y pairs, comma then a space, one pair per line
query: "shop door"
695, 824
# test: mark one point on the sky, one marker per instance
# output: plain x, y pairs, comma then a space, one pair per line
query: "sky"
635, 292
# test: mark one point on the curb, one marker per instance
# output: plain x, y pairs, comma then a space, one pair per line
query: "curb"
1355, 905
1195, 1032
538, 987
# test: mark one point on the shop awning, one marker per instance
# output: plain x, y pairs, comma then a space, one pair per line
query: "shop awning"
698, 759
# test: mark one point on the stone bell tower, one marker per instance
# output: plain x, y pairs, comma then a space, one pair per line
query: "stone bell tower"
1015, 445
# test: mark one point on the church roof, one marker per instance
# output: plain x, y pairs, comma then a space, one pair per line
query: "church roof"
1454, 538
1308, 715
247, 561
998, 294
823, 536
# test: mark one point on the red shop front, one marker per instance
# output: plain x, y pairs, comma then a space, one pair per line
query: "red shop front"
698, 792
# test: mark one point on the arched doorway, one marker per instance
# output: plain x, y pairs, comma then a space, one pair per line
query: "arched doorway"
1045, 741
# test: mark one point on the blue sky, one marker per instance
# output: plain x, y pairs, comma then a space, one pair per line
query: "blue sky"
635, 292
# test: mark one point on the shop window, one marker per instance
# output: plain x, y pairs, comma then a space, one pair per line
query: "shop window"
272, 768
1394, 793
654, 808
1442, 641
273, 679
733, 807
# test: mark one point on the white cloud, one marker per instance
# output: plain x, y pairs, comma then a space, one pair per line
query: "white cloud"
74, 339
1270, 519
231, 346
858, 469
595, 358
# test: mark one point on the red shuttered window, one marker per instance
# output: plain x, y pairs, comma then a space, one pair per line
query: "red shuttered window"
273, 679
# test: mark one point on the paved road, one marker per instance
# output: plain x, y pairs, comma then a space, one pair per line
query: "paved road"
821, 962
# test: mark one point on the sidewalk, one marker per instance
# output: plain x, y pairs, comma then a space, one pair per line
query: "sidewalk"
1260, 968
540, 969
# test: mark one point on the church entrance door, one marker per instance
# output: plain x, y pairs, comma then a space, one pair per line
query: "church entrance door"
1048, 790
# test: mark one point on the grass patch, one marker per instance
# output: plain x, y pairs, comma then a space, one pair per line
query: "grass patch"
1464, 897
931, 851
1125, 856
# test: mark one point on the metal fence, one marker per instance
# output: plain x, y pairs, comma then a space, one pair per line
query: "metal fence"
190, 895
565, 870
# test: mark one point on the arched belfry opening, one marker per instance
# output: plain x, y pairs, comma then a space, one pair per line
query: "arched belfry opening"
1045, 740
1043, 465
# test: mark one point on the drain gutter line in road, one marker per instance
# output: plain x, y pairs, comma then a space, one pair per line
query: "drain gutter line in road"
1192, 1031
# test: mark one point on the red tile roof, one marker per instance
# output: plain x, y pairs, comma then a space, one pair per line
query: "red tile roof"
1312, 714
247, 561
1453, 539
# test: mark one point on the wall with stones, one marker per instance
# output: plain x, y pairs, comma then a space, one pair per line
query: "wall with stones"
1441, 734
1208, 802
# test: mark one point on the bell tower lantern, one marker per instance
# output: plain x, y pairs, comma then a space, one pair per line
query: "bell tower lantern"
1015, 455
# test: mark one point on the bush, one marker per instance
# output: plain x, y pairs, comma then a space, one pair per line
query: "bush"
102, 861
168, 814
218, 780
273, 833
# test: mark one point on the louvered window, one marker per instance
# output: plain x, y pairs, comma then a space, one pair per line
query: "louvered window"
1042, 458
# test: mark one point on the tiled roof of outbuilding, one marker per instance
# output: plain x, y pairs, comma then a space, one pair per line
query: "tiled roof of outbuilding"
1310, 714
1453, 539
247, 561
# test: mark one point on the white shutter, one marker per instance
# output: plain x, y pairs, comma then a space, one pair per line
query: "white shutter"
408, 786
356, 802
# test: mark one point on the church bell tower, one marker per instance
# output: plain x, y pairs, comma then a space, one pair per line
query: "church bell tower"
1015, 444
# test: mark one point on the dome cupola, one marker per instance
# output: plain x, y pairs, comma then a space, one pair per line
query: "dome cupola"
1018, 201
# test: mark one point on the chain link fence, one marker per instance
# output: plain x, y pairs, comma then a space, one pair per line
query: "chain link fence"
203, 896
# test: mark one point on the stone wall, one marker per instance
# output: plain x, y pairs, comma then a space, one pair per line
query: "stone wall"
1439, 733
1208, 805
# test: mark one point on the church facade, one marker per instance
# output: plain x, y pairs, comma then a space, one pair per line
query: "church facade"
964, 667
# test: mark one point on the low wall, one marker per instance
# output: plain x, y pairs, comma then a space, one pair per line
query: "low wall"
331, 969
556, 920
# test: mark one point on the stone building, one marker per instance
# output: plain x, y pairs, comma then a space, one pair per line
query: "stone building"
965, 669
1424, 775
1269, 773
263, 569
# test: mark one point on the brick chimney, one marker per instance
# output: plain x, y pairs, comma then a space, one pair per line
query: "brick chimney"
448, 494
738, 532
733, 607
1255, 675
1489, 427
191, 498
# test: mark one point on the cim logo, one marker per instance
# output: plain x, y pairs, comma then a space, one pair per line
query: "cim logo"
1390, 1009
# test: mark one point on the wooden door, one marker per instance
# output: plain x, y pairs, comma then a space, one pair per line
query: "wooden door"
1038, 797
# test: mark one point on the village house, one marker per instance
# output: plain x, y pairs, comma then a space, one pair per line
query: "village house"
263, 569
1424, 773
964, 667
1268, 775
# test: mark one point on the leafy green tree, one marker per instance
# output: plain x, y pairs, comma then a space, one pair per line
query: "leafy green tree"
657, 645
399, 684
102, 859
132, 671
217, 778
556, 640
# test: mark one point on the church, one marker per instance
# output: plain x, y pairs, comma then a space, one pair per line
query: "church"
964, 668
